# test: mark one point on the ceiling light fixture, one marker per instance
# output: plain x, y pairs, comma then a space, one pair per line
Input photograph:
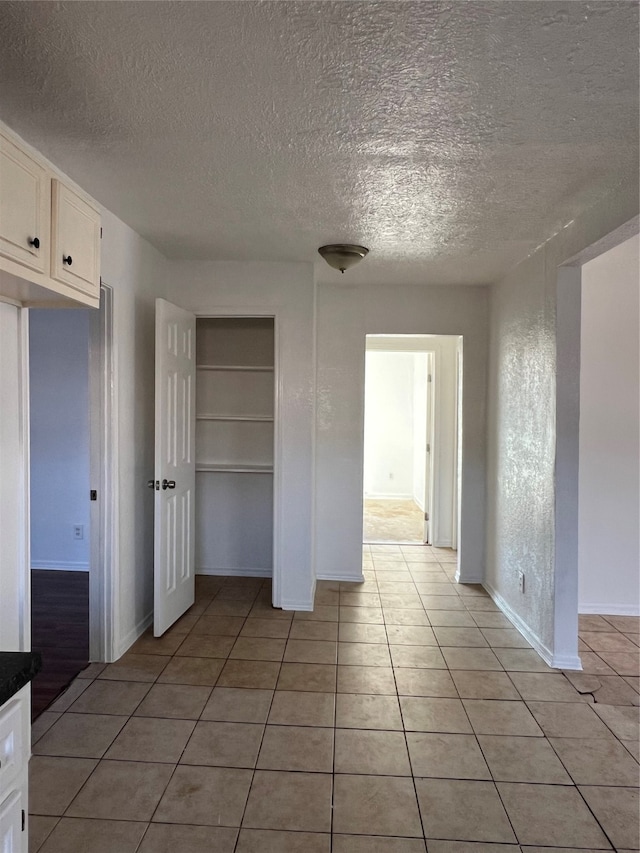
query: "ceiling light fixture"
341, 256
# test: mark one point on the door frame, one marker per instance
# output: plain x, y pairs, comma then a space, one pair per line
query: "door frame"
229, 313
102, 472
568, 292
102, 433
429, 493
417, 344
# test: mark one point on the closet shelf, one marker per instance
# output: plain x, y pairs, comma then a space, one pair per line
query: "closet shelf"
237, 367
234, 469
250, 418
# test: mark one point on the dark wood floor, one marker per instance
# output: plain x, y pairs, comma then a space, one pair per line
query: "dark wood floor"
59, 630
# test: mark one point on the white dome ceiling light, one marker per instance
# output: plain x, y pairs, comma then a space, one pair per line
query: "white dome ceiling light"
342, 256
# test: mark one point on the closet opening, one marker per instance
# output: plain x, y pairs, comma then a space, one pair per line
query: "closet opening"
235, 393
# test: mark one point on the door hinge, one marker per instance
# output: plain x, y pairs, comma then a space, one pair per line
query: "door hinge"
101, 232
429, 378
428, 448
24, 820
426, 516
93, 495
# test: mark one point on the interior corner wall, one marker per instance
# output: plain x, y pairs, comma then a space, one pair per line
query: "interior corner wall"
136, 272
521, 483
345, 315
286, 292
609, 503
59, 437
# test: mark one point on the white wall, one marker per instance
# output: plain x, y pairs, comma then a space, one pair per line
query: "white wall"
59, 448
609, 558
389, 425
286, 292
345, 315
135, 271
531, 515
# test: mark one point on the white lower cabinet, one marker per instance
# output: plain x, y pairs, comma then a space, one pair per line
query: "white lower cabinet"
14, 758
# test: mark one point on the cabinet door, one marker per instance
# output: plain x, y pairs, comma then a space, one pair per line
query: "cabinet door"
24, 208
11, 835
75, 241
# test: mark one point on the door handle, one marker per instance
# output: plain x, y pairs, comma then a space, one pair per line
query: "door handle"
168, 484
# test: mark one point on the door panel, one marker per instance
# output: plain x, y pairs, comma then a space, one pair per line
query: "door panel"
24, 206
174, 485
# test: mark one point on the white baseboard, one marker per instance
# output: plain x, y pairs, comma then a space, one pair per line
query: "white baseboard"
60, 565
236, 573
388, 497
476, 580
298, 605
442, 543
556, 661
329, 576
136, 632
610, 609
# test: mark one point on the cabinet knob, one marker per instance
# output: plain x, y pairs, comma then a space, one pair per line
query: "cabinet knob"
67, 259
35, 242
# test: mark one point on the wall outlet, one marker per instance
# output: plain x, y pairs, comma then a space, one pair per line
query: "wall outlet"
521, 581
78, 531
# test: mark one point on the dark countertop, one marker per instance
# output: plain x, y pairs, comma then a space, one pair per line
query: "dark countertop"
16, 670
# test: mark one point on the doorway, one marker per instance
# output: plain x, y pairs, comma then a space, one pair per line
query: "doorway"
70, 382
59, 489
411, 470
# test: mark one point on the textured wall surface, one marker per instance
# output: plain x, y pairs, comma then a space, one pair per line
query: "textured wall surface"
135, 272
523, 517
451, 138
285, 292
522, 451
345, 315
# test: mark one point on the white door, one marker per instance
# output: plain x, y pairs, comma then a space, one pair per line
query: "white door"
428, 477
174, 484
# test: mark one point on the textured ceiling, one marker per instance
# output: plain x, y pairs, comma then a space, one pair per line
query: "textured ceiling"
450, 138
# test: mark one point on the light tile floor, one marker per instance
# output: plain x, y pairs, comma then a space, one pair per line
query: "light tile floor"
403, 714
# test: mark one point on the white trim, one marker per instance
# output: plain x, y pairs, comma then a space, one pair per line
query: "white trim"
278, 455
235, 573
471, 580
60, 565
135, 633
401, 343
328, 576
610, 609
103, 578
445, 543
24, 495
272, 314
555, 661
306, 606
383, 496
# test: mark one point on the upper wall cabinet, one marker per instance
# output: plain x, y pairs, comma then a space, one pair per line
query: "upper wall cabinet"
75, 240
49, 235
24, 208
